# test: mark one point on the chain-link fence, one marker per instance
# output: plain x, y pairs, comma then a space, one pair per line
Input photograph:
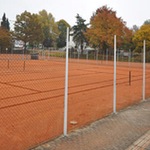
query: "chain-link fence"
32, 91
32, 94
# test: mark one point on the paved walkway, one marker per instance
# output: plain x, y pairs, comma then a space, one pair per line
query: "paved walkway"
127, 130
142, 143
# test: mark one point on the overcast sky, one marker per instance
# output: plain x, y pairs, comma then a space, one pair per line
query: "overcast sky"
134, 12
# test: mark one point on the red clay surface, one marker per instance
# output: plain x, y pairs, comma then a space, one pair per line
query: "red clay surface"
32, 97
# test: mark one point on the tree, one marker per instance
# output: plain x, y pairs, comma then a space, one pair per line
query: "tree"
135, 28
5, 39
5, 22
62, 27
28, 29
79, 32
104, 24
127, 43
147, 21
5, 35
49, 28
142, 34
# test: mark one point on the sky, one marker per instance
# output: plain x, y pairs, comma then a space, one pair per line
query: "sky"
133, 12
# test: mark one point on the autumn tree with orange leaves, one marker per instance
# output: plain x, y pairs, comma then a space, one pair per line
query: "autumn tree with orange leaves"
104, 24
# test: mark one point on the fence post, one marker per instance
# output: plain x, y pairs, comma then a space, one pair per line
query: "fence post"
24, 63
87, 55
8, 64
114, 100
107, 56
144, 49
129, 77
129, 58
66, 88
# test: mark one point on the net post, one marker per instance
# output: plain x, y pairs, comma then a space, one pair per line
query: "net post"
66, 88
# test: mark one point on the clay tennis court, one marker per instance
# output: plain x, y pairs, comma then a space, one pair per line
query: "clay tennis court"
32, 96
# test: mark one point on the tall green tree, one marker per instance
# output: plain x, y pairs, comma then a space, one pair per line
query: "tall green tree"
5, 35
49, 28
28, 29
79, 32
135, 28
5, 23
62, 27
